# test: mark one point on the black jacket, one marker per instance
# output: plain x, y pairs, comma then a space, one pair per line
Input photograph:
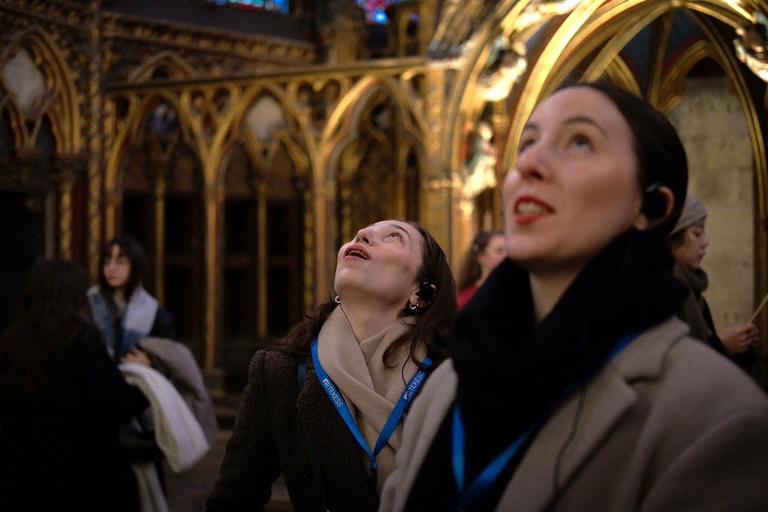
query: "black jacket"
62, 452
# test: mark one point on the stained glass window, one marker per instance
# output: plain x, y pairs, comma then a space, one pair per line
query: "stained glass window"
374, 9
265, 5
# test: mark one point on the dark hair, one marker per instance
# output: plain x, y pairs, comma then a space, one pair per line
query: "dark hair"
132, 250
470, 268
660, 153
53, 310
432, 321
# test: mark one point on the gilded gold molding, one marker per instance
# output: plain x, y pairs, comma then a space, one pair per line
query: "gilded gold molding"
659, 42
619, 73
671, 89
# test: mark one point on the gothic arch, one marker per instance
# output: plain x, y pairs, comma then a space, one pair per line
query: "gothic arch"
342, 123
178, 68
587, 27
14, 118
61, 102
301, 151
132, 133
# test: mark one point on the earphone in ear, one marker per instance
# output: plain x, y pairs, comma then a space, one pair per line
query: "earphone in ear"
426, 291
654, 202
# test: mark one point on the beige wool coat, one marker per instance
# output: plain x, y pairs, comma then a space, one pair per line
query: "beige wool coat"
667, 425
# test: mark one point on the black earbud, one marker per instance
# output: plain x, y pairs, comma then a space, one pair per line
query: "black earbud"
654, 202
426, 291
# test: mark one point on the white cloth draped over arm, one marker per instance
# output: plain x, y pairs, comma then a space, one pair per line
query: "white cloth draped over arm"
177, 432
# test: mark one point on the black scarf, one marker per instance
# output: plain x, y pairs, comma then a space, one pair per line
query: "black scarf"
511, 372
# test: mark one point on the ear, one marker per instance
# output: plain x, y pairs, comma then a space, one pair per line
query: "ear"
643, 223
413, 299
421, 296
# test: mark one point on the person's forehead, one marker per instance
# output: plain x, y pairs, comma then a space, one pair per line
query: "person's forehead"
578, 103
117, 252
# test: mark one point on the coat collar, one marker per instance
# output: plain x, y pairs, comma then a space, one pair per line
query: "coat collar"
608, 397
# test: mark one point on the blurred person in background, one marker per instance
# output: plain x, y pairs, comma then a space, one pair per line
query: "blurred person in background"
61, 400
488, 249
688, 242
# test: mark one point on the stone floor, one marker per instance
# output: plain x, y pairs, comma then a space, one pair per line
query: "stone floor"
188, 491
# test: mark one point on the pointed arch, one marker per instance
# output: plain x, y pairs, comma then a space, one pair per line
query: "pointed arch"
132, 133
9, 109
302, 151
177, 68
62, 104
342, 123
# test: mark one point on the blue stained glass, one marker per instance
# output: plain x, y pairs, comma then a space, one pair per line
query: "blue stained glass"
267, 5
379, 16
374, 9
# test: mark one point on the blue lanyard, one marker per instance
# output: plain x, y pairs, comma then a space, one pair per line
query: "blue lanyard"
341, 406
494, 468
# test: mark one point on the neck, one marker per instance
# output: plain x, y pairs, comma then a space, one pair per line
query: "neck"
367, 320
119, 294
546, 290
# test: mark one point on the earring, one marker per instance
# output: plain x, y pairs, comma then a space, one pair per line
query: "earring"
337, 300
413, 306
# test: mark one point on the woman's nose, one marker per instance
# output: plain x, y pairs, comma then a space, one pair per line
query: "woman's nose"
531, 163
364, 236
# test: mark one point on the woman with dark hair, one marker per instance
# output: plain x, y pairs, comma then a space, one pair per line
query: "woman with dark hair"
572, 385
325, 408
488, 249
688, 243
123, 310
61, 399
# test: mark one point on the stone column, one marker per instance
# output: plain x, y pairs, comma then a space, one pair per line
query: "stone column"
65, 179
260, 193
213, 198
159, 171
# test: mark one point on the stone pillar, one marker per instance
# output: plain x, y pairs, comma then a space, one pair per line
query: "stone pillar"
65, 179
260, 193
303, 186
435, 204
159, 173
95, 137
213, 200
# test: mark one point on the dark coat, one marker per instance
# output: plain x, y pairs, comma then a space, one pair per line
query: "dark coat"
268, 440
62, 452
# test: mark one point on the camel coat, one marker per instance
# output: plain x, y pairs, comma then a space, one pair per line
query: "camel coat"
667, 425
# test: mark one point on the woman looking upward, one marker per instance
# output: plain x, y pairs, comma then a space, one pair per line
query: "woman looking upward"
333, 430
572, 386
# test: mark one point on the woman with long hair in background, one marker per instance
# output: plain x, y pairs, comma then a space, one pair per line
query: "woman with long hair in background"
61, 400
123, 310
